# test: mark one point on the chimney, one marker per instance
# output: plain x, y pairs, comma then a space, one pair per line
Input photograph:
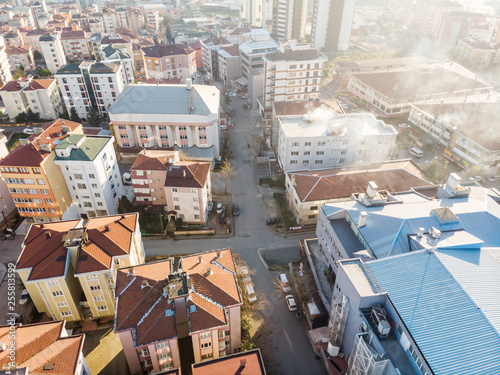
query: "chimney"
199, 258
130, 271
217, 254
209, 271
106, 228
48, 235
420, 232
184, 174
372, 189
144, 284
243, 363
363, 215
189, 84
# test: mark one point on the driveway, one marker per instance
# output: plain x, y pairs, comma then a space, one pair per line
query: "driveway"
282, 338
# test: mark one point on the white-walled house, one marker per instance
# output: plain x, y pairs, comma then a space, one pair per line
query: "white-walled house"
52, 51
91, 173
324, 139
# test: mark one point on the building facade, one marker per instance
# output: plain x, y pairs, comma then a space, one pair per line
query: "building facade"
252, 51
182, 311
162, 116
38, 95
289, 20
332, 23
52, 51
91, 173
323, 139
170, 61
75, 44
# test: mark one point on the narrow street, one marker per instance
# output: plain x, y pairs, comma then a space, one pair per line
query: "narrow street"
283, 339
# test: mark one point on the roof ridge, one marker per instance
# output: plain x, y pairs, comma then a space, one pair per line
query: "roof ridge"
75, 339
317, 182
218, 288
152, 287
48, 263
44, 334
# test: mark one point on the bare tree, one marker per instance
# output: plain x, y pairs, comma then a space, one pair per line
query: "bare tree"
226, 172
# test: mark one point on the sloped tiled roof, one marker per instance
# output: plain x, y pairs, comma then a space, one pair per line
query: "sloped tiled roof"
162, 50
40, 344
73, 34
35, 84
187, 174
150, 163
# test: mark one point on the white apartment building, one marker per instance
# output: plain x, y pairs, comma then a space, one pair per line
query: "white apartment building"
289, 20
120, 57
5, 74
52, 51
295, 72
324, 139
229, 65
39, 95
90, 84
209, 54
162, 116
90, 170
75, 44
153, 19
332, 24
252, 52
251, 12
109, 21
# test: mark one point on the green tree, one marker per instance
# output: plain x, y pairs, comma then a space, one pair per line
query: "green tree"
37, 56
44, 72
124, 205
73, 116
19, 73
93, 117
64, 114
33, 116
434, 170
22, 118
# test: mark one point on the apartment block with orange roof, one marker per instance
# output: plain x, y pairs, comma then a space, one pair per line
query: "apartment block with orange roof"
43, 348
195, 307
34, 181
245, 363
61, 260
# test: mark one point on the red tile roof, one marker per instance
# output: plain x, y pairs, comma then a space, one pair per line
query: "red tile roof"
73, 34
143, 308
187, 174
24, 156
233, 50
34, 84
41, 344
52, 131
150, 163
232, 364
337, 183
16, 50
162, 50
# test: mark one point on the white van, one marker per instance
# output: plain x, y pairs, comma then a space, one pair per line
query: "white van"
251, 293
126, 178
285, 285
415, 151
28, 131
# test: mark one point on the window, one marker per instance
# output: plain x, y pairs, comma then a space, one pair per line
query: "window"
65, 313
307, 152
320, 152
174, 190
91, 277
313, 208
293, 161
62, 304
307, 143
32, 191
97, 195
95, 287
142, 127
91, 175
182, 128
196, 208
293, 153
162, 345
57, 293
195, 199
98, 298
184, 137
94, 186
196, 216
40, 181
305, 162
177, 207
52, 282
206, 345
78, 176
311, 216
36, 170
205, 356
144, 352
37, 201
321, 143
203, 137
28, 181
102, 307
205, 335
44, 191
81, 186
318, 162
52, 210
295, 144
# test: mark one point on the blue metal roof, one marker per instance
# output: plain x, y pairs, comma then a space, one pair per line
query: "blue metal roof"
453, 334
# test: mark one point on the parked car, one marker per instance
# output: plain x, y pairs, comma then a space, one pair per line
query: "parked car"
220, 208
273, 220
236, 209
24, 297
28, 131
285, 285
127, 179
290, 301
251, 293
493, 178
222, 218
246, 276
404, 126
415, 151
476, 178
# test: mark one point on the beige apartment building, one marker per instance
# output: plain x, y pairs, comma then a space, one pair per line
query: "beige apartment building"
61, 260
182, 188
160, 307
308, 190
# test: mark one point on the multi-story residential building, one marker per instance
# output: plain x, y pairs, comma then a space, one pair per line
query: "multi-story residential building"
39, 95
308, 190
290, 19
429, 15
332, 24
465, 130
91, 173
7, 206
75, 45
209, 54
253, 50
170, 61
35, 182
151, 116
392, 93
61, 260
12, 39
32, 39
120, 57
298, 108
250, 361
43, 348
5, 74
20, 56
229, 65
295, 72
251, 12
109, 20
198, 301
52, 51
95, 45
478, 55
90, 84
182, 189
153, 20
324, 139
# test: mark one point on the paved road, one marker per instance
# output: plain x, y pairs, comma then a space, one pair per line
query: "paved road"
287, 348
